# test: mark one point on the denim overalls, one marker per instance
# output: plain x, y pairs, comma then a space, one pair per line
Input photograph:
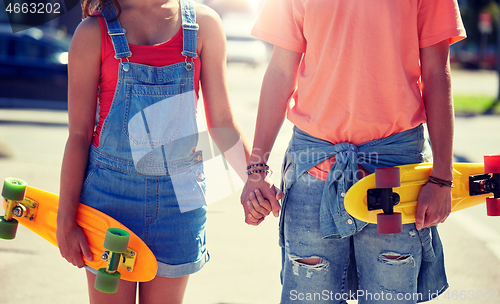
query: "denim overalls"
145, 172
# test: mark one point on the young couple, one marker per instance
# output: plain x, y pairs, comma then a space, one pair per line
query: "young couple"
356, 78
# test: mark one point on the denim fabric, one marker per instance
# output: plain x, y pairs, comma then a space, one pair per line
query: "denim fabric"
359, 259
306, 151
117, 34
190, 30
145, 172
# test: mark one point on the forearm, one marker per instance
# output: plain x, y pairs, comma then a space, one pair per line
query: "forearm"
73, 171
438, 103
277, 89
440, 123
434, 202
233, 144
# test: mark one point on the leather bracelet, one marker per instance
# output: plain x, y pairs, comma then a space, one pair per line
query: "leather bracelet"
440, 182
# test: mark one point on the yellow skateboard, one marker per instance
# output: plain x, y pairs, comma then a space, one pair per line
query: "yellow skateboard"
395, 191
118, 253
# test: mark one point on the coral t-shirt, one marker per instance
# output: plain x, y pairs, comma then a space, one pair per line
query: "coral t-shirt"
359, 78
162, 54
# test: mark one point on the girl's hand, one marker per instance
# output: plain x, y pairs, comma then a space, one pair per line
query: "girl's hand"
73, 245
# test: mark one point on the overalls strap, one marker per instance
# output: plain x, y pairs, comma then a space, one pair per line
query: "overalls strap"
189, 28
116, 32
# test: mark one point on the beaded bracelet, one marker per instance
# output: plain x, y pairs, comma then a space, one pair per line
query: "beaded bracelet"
258, 165
257, 171
440, 182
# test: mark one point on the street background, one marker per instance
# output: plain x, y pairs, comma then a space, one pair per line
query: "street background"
245, 260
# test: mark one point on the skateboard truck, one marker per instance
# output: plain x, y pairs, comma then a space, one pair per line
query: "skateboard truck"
13, 192
488, 183
127, 261
27, 209
116, 245
485, 183
383, 197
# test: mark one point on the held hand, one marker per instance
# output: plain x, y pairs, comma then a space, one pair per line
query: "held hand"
434, 205
259, 198
73, 245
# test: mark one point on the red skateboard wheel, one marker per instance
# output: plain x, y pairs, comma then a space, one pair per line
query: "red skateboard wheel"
389, 223
492, 163
387, 177
493, 206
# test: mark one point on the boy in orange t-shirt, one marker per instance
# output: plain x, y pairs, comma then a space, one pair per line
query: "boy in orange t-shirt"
358, 79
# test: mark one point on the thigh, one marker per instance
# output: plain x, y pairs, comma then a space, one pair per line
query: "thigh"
314, 269
163, 290
388, 265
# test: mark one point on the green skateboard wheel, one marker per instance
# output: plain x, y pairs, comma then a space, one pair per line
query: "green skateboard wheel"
8, 229
107, 282
14, 189
116, 240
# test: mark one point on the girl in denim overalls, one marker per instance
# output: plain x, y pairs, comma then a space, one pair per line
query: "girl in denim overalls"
140, 164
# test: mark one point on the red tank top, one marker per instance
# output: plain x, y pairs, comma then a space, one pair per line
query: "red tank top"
162, 54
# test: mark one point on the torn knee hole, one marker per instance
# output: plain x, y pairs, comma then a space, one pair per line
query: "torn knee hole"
395, 257
311, 261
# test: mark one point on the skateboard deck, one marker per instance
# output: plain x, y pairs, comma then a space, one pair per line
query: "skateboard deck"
364, 199
38, 212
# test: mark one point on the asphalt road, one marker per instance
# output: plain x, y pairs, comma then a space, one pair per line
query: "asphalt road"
245, 260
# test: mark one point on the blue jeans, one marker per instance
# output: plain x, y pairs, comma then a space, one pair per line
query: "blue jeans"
387, 265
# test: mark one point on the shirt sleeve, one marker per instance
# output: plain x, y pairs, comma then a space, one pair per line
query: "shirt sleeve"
280, 22
439, 20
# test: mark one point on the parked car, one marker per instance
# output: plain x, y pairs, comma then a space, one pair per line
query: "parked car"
33, 64
241, 46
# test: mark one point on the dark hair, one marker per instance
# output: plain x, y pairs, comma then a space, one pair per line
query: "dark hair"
90, 6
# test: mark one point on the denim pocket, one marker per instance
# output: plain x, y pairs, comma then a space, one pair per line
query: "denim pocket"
91, 169
190, 187
153, 113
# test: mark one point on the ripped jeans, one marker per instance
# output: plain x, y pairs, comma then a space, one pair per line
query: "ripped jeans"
315, 269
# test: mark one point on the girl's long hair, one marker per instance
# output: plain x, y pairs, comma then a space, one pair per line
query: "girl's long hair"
90, 6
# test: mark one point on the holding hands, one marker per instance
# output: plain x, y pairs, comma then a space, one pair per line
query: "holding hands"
260, 197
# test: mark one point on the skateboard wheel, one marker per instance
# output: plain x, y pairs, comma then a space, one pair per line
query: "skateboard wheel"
492, 164
493, 206
389, 223
14, 189
387, 177
116, 240
107, 282
8, 229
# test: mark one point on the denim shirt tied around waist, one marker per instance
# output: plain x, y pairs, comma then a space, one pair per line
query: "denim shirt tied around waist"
407, 147
306, 151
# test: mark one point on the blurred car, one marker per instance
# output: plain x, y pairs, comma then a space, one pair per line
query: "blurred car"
241, 46
33, 64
